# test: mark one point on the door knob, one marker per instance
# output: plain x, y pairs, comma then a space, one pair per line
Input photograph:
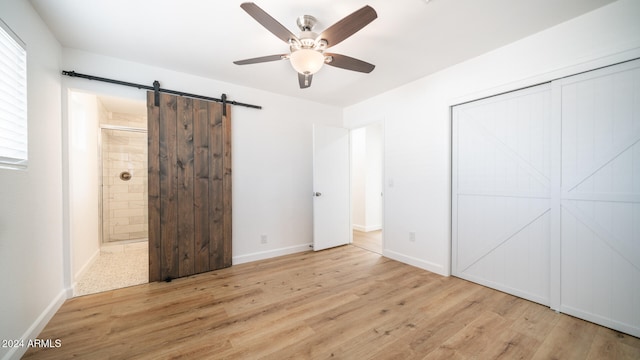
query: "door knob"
317, 194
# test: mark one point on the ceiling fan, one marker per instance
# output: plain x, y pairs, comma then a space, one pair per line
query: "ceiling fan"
307, 51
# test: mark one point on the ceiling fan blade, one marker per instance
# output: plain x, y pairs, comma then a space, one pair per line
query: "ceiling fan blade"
304, 80
348, 25
268, 22
260, 59
349, 63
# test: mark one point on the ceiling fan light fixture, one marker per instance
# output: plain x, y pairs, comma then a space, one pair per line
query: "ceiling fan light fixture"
307, 61
307, 50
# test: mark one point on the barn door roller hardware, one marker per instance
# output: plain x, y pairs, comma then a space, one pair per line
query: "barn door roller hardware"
157, 90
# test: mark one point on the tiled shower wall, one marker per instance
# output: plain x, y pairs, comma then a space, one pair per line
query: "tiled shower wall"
124, 202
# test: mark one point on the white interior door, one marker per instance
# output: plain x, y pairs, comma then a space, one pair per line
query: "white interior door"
600, 196
501, 192
331, 194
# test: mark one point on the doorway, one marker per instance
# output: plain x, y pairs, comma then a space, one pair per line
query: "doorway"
107, 192
366, 187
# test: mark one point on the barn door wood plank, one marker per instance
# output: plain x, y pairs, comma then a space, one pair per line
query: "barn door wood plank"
185, 154
226, 187
168, 186
201, 184
153, 138
216, 199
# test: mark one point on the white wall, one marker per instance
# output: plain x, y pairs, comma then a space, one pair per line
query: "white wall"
271, 150
31, 257
417, 121
84, 181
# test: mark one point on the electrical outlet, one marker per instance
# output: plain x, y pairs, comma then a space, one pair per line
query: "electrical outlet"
412, 236
263, 239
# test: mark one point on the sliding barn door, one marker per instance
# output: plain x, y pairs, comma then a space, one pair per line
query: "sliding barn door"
546, 194
600, 251
189, 187
502, 191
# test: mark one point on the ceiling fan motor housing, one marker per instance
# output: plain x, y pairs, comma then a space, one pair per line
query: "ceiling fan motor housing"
307, 38
306, 22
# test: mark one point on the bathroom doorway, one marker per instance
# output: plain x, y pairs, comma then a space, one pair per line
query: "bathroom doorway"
108, 163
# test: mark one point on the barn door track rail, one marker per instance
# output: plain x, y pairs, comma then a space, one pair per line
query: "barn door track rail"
157, 90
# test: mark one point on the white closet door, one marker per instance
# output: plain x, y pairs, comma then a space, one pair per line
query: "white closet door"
501, 191
546, 194
600, 196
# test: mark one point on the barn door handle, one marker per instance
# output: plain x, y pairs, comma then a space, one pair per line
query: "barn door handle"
317, 194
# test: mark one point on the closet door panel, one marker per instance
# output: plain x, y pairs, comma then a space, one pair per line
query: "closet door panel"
600, 196
501, 192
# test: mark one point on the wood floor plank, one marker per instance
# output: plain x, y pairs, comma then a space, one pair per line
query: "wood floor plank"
536, 322
571, 338
342, 303
371, 240
474, 339
611, 344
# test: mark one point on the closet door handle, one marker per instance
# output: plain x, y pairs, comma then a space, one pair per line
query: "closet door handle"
317, 194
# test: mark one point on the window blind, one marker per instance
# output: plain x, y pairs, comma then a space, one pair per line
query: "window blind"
13, 99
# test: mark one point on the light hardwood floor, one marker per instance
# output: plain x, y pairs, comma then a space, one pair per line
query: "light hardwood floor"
370, 240
342, 303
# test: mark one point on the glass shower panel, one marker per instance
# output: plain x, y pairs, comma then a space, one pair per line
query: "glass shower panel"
124, 185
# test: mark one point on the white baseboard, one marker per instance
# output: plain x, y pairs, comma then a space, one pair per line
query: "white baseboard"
368, 228
262, 255
419, 263
86, 265
83, 270
38, 325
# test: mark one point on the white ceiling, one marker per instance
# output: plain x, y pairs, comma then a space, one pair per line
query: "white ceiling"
409, 40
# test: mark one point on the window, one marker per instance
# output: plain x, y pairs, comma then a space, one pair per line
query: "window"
13, 99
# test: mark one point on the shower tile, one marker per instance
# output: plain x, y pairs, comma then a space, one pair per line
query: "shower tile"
119, 221
141, 165
117, 204
124, 202
139, 157
117, 156
128, 212
129, 196
115, 142
140, 204
139, 234
135, 188
114, 172
137, 220
118, 237
139, 180
129, 228
119, 189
